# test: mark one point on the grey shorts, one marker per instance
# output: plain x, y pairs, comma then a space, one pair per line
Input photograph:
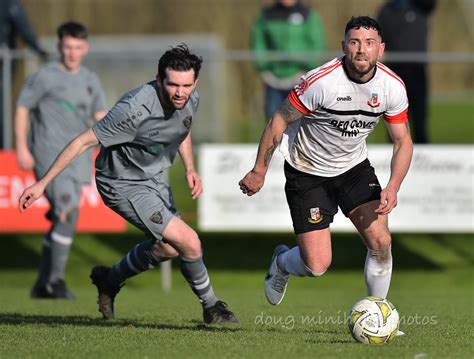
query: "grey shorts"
63, 194
148, 205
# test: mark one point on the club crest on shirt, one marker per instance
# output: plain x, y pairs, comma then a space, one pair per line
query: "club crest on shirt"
315, 215
156, 148
187, 121
374, 100
301, 87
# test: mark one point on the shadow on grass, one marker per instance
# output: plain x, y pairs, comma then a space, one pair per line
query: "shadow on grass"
253, 251
242, 251
15, 255
463, 247
85, 321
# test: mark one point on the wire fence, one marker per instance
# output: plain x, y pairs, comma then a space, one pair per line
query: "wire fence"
231, 91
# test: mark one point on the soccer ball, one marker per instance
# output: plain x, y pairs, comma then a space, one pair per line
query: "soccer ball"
373, 320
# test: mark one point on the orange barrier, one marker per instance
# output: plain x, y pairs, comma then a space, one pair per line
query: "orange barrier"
94, 216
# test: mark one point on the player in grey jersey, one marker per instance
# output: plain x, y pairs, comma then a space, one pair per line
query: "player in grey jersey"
58, 102
139, 138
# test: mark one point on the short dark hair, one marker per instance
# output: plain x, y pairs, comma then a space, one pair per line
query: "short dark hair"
365, 22
179, 58
72, 29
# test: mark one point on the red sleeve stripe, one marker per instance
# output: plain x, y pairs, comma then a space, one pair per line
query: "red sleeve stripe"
322, 72
324, 69
402, 117
321, 75
389, 72
296, 102
293, 97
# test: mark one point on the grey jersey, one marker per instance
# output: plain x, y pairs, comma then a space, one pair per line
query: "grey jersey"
61, 105
139, 139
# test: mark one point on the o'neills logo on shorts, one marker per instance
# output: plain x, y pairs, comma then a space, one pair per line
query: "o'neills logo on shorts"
315, 215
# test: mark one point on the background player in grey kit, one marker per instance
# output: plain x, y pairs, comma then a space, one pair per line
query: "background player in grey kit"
58, 102
322, 127
139, 138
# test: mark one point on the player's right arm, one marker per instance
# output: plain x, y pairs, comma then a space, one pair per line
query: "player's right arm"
269, 142
76, 147
24, 158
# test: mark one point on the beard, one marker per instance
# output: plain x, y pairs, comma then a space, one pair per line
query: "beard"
168, 101
362, 70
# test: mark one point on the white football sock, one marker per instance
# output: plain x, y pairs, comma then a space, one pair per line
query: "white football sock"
378, 272
291, 262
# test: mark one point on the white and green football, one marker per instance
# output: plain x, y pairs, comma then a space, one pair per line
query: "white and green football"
373, 320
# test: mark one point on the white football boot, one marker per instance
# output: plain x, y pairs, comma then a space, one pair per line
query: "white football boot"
276, 280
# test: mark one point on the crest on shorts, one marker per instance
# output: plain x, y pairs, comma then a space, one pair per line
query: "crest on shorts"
157, 217
187, 121
315, 215
374, 100
65, 198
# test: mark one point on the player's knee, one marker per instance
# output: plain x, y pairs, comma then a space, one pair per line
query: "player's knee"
193, 246
315, 272
381, 242
170, 253
317, 269
164, 251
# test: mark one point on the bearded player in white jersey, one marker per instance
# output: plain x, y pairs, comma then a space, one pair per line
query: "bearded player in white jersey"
321, 129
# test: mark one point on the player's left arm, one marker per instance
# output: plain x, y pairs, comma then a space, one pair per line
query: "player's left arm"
400, 163
75, 148
192, 177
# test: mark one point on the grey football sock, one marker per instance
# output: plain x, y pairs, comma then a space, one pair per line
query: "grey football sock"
139, 259
45, 261
196, 275
60, 247
61, 235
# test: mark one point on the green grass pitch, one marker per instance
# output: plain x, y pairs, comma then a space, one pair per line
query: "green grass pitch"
431, 287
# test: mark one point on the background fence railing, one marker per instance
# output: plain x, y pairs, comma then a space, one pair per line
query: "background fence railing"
231, 91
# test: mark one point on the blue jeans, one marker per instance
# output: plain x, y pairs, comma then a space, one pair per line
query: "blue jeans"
273, 99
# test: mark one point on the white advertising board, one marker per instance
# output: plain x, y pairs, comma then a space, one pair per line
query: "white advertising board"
436, 196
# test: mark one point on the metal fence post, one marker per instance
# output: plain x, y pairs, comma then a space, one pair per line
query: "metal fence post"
6, 97
165, 268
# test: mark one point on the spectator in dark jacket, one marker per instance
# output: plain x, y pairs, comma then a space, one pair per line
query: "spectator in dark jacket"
13, 21
405, 25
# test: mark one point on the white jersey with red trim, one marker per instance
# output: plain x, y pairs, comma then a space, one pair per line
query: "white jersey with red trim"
339, 115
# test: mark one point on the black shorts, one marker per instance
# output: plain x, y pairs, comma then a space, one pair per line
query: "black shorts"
313, 200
